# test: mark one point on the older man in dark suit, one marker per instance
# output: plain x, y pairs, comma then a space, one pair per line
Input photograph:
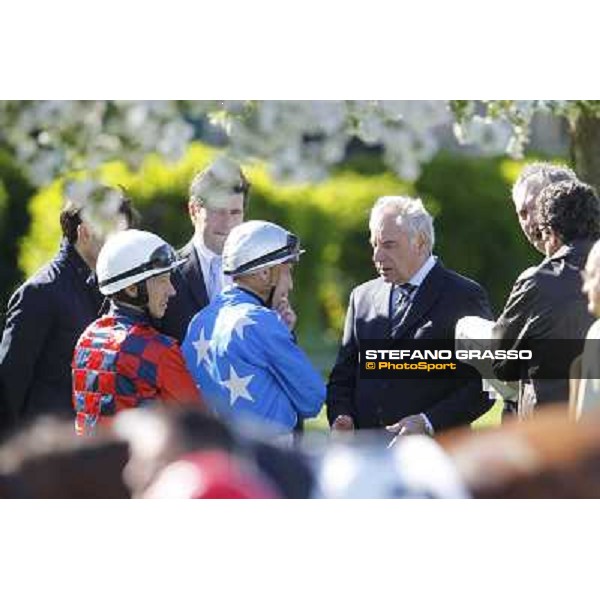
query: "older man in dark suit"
415, 298
218, 200
546, 309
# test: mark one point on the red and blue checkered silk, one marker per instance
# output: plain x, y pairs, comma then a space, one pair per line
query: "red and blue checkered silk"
122, 362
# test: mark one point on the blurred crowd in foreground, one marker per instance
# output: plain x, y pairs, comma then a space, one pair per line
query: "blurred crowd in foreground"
161, 453
130, 370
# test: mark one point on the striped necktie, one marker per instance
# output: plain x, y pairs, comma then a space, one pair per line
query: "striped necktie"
402, 305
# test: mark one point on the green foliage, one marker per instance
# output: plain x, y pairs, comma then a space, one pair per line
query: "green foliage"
15, 191
159, 191
573, 109
330, 218
477, 231
469, 197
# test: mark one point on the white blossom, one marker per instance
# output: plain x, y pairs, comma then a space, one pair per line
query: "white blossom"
297, 139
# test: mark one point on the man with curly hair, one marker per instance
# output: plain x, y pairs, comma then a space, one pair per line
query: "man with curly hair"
533, 178
546, 310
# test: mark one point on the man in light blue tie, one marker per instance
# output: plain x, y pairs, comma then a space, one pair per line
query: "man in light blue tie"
216, 277
218, 201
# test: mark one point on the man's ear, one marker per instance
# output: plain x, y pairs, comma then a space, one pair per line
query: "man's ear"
263, 275
552, 239
83, 233
422, 243
194, 209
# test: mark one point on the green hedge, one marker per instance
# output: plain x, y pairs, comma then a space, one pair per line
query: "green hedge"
476, 226
15, 192
469, 197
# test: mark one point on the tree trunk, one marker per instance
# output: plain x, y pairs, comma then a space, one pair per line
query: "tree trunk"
585, 147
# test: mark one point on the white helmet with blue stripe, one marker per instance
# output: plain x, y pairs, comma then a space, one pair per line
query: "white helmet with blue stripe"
254, 245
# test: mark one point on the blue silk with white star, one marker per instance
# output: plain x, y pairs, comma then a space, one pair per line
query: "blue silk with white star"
246, 363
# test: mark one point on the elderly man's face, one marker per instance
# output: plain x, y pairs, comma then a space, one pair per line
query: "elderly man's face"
524, 201
396, 257
591, 281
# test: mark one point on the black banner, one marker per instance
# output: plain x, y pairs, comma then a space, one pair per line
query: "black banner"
447, 359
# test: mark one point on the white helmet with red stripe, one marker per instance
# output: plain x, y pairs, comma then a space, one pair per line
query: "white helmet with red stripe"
132, 256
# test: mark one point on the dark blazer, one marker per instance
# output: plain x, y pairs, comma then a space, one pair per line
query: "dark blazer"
546, 303
191, 297
442, 298
44, 320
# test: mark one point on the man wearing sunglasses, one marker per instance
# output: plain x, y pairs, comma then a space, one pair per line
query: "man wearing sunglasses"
547, 310
218, 200
532, 179
121, 361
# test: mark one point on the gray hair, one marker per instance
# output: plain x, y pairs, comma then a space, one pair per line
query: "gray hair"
536, 176
411, 215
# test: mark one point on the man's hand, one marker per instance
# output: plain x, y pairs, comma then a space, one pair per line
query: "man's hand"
411, 425
286, 312
343, 423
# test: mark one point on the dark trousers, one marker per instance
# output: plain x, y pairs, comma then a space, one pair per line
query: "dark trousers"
510, 410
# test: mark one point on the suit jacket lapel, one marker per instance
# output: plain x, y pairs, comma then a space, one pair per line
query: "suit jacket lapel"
372, 312
426, 295
382, 299
192, 272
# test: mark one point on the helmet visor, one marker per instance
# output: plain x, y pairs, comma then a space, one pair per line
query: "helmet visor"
163, 258
288, 253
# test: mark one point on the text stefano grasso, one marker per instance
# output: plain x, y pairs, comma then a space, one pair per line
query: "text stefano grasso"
427, 354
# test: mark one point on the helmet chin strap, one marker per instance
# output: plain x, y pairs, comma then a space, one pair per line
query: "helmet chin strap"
140, 300
270, 297
142, 294
272, 275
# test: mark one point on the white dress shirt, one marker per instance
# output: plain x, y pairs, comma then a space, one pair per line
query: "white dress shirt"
588, 397
416, 280
206, 256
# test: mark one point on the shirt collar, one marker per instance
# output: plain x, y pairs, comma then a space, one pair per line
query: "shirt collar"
418, 278
202, 249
